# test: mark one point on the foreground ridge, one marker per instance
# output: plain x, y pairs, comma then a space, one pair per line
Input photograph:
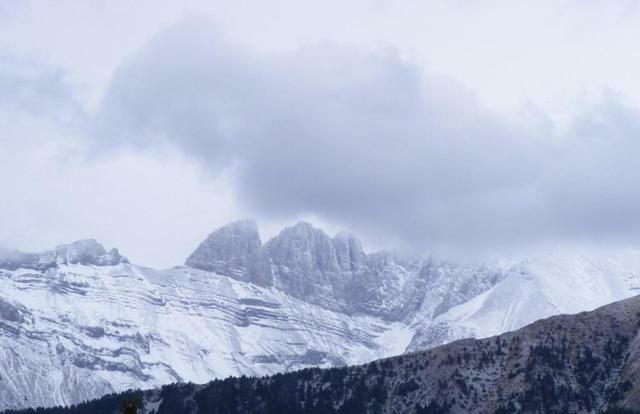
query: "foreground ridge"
583, 363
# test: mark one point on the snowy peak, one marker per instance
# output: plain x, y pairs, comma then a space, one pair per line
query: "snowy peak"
234, 250
86, 252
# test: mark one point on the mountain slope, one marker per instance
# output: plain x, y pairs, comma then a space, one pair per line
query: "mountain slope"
584, 363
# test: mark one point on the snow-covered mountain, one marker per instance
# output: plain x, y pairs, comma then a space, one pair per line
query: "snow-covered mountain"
78, 322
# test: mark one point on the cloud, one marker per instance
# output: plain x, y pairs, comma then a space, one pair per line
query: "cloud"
55, 191
373, 143
33, 89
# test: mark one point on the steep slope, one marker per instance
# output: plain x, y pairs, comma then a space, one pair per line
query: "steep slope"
584, 363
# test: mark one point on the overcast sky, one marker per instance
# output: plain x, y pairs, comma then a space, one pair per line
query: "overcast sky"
449, 126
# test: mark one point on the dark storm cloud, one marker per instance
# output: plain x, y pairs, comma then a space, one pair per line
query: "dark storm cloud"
369, 141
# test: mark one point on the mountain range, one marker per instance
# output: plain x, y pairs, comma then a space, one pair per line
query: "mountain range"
79, 322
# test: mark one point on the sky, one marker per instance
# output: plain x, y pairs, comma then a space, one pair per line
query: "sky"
457, 127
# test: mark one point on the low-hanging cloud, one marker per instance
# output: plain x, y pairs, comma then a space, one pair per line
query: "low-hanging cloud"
371, 142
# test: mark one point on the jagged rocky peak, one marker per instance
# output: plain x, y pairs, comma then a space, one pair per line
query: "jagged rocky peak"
86, 252
234, 250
